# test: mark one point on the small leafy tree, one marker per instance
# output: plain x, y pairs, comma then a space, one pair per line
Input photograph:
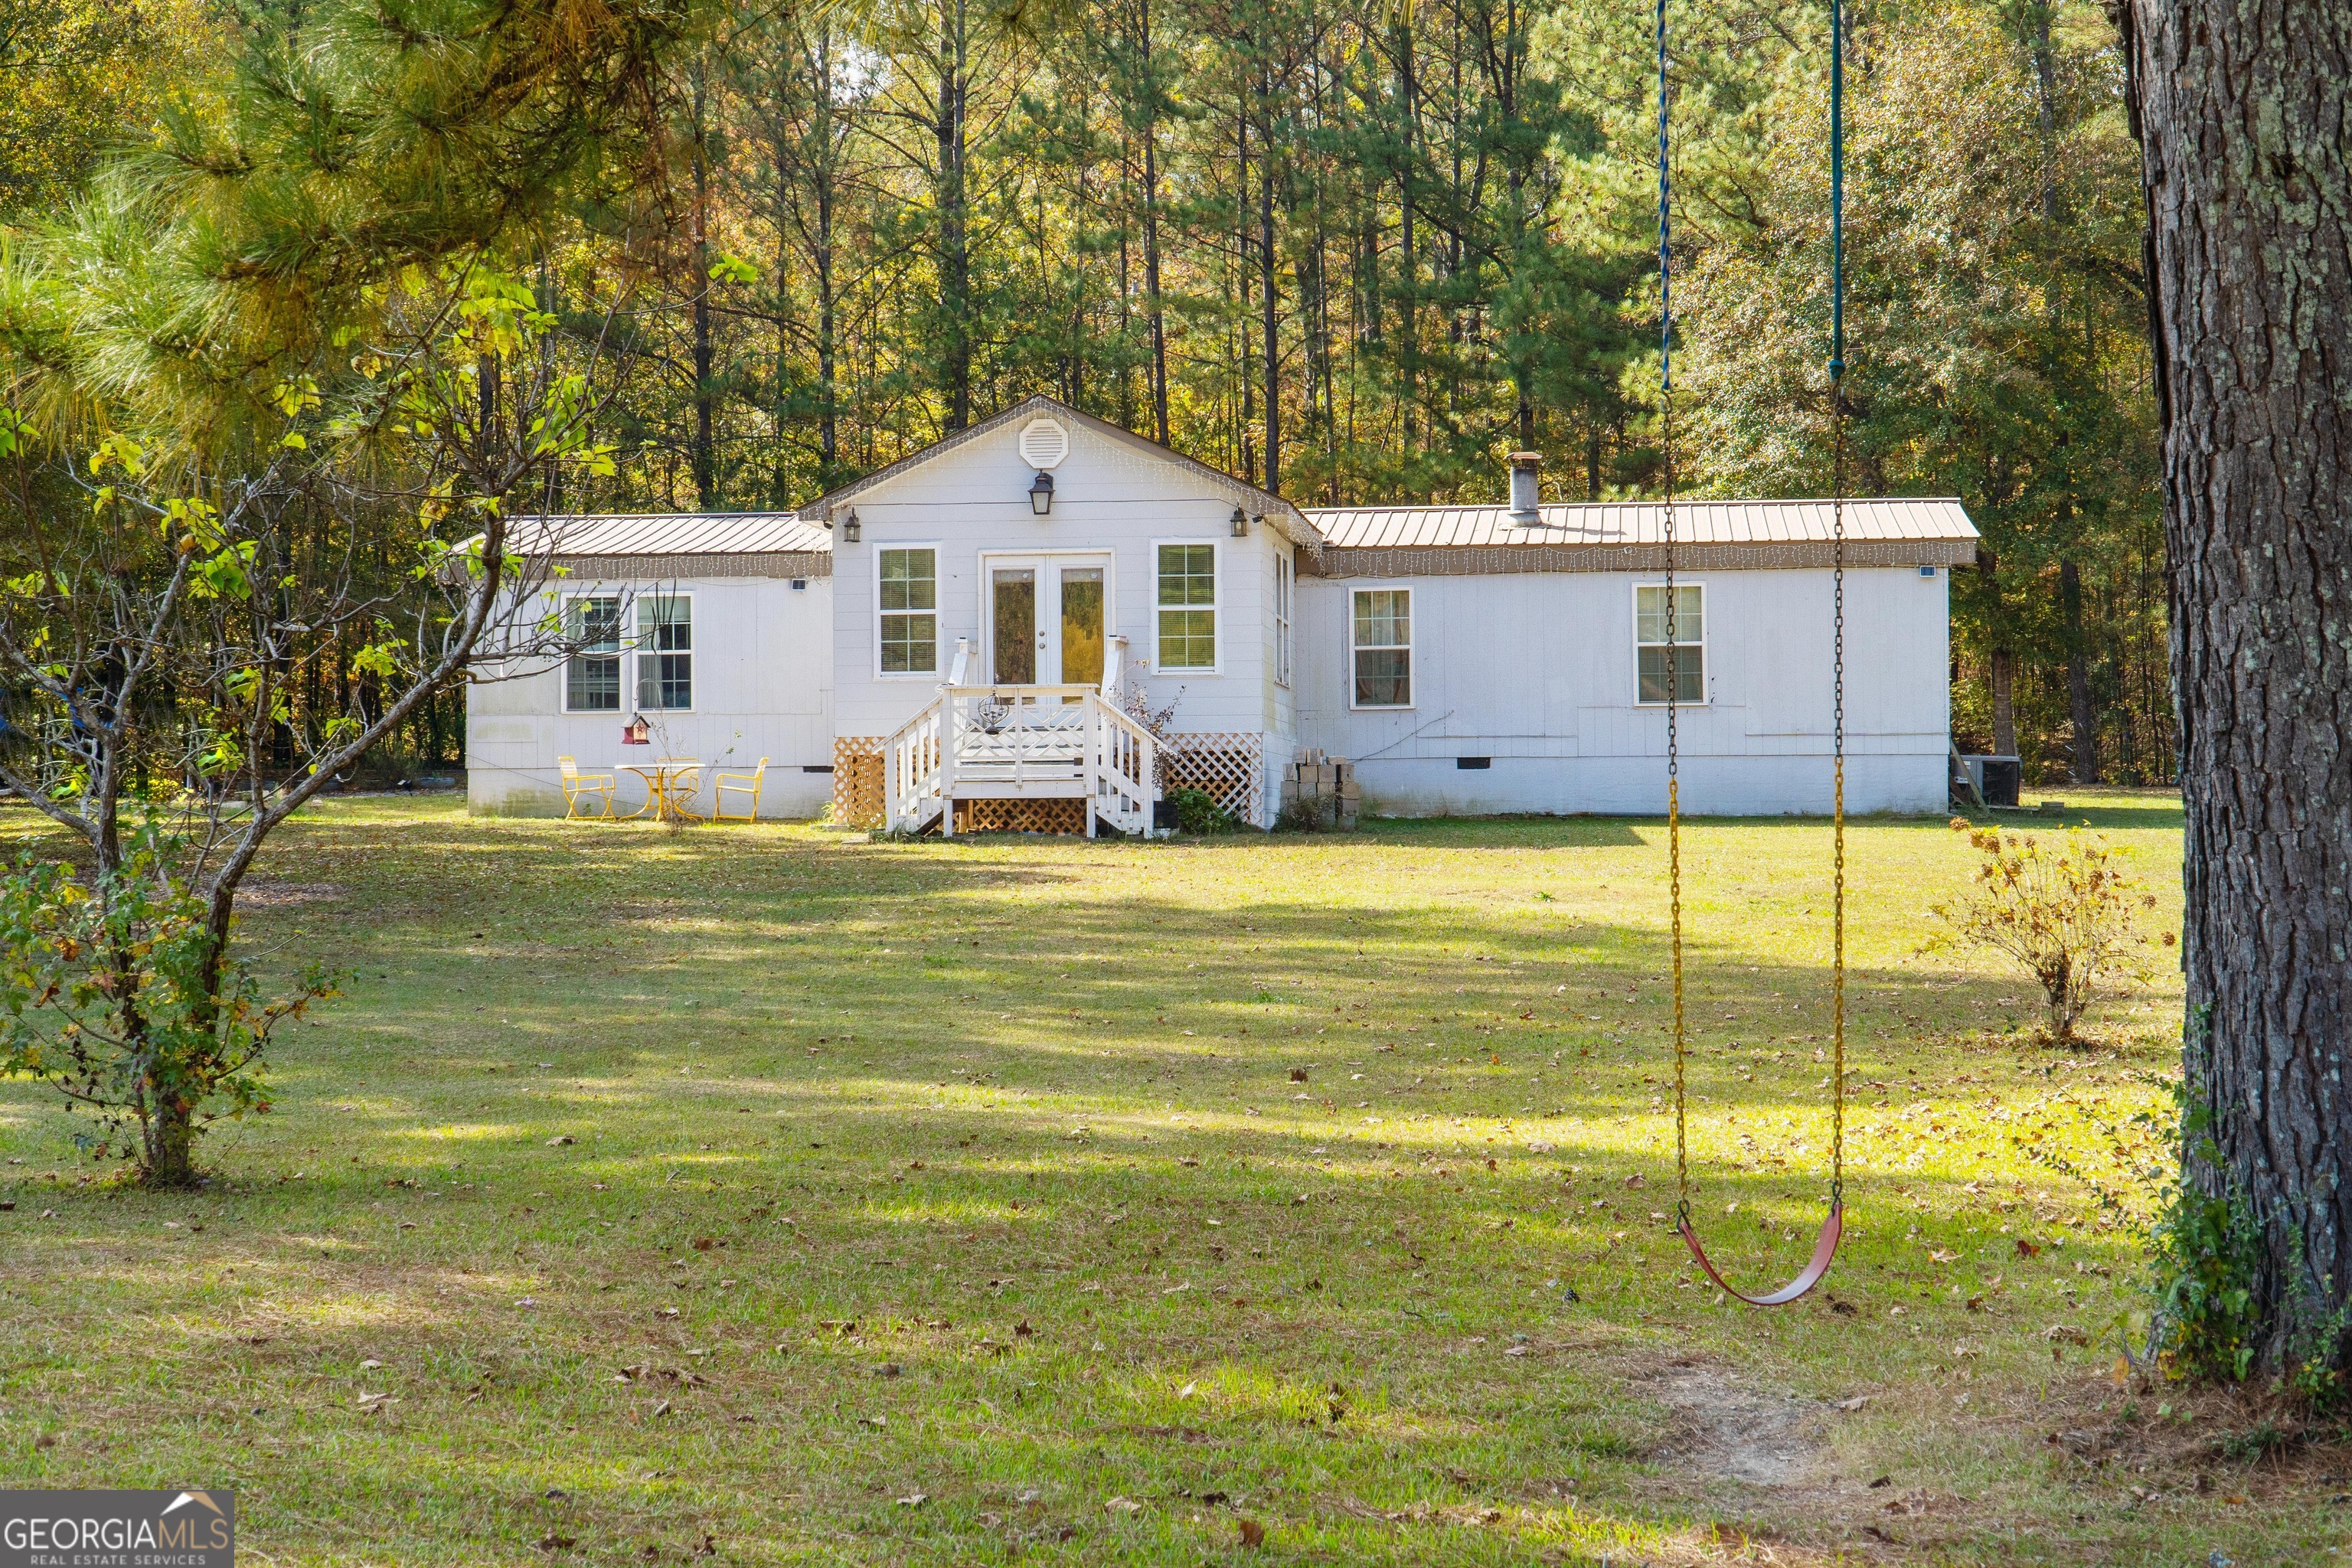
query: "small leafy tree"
161, 617
2062, 908
109, 991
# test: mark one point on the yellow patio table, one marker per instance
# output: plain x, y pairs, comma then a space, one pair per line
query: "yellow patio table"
670, 784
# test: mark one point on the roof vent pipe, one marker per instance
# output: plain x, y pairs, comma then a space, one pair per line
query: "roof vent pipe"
1525, 465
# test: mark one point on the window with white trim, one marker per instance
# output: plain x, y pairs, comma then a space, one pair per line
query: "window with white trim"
1380, 632
1285, 576
909, 604
665, 651
1686, 638
592, 674
1188, 606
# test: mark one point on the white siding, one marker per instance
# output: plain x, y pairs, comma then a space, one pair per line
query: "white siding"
1108, 498
1536, 672
762, 687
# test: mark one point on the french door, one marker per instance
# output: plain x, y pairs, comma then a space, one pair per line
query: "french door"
1047, 618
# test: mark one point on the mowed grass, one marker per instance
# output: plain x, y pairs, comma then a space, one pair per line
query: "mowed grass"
775, 1196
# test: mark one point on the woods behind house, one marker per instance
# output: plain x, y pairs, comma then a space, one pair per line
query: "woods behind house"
1352, 251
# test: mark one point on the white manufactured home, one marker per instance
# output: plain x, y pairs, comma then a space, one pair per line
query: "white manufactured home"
1047, 621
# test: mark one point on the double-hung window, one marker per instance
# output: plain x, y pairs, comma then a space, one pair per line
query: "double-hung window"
1188, 606
1286, 580
665, 651
592, 674
910, 587
1682, 634
1381, 641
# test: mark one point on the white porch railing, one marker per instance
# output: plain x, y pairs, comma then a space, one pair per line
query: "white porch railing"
1010, 742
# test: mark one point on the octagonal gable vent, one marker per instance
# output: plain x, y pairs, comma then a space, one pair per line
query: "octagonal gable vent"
1044, 443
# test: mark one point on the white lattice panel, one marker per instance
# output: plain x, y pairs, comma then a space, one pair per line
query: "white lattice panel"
1230, 766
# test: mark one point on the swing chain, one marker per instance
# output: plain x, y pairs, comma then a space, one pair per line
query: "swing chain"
1837, 521
1672, 621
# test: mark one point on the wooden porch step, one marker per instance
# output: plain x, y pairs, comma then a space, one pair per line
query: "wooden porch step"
967, 787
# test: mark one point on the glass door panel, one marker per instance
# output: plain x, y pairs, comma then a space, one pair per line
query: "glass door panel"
1082, 626
1014, 632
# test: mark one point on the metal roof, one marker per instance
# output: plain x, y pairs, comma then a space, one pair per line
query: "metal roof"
1696, 522
671, 533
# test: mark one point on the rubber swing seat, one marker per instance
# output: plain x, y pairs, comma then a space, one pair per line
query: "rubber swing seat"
1825, 1247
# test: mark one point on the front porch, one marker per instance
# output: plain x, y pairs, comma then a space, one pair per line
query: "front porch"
1003, 744
1035, 758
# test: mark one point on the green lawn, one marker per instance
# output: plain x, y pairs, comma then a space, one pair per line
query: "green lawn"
775, 1193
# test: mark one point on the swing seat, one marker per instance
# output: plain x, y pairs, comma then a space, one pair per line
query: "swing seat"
1825, 1247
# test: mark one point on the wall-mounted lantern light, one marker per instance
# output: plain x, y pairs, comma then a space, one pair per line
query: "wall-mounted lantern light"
1241, 523
850, 530
1041, 493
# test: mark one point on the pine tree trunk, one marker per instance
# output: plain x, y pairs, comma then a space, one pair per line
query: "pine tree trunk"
2084, 714
2241, 106
2005, 703
705, 467
952, 195
1268, 301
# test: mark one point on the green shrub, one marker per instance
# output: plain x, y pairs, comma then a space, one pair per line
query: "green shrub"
2062, 911
1300, 814
115, 990
2205, 1251
1197, 811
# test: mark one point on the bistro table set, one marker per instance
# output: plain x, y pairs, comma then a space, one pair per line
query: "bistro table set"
671, 786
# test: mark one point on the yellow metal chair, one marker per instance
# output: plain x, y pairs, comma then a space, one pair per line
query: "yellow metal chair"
746, 785
579, 786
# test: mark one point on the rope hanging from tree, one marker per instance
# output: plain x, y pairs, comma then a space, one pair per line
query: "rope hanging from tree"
1825, 1246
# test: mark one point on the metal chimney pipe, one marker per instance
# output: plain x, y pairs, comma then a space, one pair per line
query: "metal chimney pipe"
1524, 509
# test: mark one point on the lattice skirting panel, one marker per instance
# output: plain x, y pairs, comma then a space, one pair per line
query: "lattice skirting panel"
1230, 766
1021, 817
857, 781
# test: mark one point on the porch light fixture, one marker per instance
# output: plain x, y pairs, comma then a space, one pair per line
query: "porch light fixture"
1241, 523
850, 529
1041, 493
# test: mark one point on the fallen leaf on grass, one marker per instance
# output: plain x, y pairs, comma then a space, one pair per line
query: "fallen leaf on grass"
914, 1499
559, 1140
1123, 1505
1856, 1403
1253, 1532
552, 1541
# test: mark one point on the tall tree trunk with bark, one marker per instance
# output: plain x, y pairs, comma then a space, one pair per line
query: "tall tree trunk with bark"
1152, 302
953, 67
1267, 299
705, 464
2242, 111
2083, 768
